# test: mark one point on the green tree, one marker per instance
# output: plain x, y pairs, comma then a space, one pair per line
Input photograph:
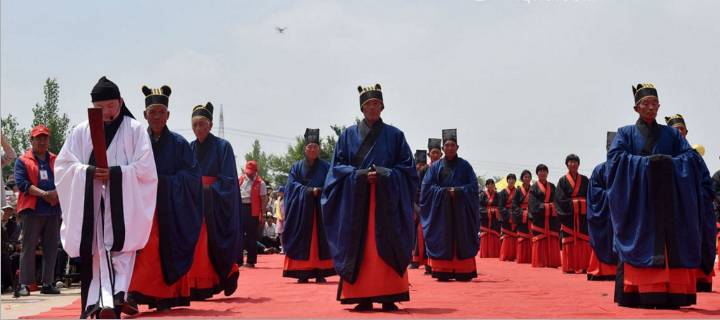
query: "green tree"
279, 165
48, 113
260, 157
18, 138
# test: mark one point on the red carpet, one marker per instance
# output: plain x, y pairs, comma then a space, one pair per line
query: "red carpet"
502, 290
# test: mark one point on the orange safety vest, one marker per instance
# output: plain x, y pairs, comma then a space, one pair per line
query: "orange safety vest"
255, 200
25, 200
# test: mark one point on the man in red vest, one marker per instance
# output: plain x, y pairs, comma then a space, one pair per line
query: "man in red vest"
253, 193
40, 211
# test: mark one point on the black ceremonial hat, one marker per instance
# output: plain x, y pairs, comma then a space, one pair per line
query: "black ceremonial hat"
156, 96
369, 93
643, 90
203, 111
434, 143
420, 156
449, 134
312, 136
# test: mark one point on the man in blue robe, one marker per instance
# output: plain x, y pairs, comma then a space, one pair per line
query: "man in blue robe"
214, 267
306, 250
450, 214
158, 278
660, 200
367, 205
603, 260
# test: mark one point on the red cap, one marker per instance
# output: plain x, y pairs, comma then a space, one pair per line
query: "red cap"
39, 130
251, 167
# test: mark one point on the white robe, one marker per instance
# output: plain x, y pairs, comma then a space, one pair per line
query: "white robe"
131, 150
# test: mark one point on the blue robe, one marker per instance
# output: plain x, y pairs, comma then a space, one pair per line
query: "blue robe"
598, 216
300, 208
659, 194
221, 202
345, 198
446, 221
179, 203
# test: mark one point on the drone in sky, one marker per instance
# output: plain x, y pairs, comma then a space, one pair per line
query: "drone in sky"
280, 29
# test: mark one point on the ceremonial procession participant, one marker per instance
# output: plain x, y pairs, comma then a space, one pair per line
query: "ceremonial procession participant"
603, 260
306, 249
660, 196
545, 224
108, 220
159, 275
523, 223
254, 194
571, 205
419, 256
508, 236
678, 122
367, 205
214, 269
449, 207
489, 221
434, 149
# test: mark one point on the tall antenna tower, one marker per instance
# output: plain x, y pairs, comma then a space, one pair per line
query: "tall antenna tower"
221, 130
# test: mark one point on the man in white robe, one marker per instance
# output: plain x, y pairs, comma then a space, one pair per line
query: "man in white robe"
107, 212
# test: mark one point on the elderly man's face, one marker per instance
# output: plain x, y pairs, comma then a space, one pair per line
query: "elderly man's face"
312, 151
40, 144
647, 108
111, 108
372, 109
201, 127
450, 148
157, 116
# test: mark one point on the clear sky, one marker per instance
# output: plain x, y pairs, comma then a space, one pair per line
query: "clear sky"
523, 81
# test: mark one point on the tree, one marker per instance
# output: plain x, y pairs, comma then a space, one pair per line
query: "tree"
260, 157
48, 114
279, 165
18, 138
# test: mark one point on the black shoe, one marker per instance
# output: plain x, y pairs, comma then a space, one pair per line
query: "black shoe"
128, 307
250, 265
107, 313
231, 283
49, 289
320, 280
22, 291
303, 280
364, 306
413, 266
389, 307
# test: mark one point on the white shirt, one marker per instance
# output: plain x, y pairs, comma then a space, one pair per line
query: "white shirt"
246, 189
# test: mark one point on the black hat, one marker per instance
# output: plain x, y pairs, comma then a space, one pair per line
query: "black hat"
572, 157
541, 167
312, 136
156, 96
369, 93
675, 121
104, 89
203, 111
643, 90
610, 137
434, 143
420, 156
449, 134
489, 181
